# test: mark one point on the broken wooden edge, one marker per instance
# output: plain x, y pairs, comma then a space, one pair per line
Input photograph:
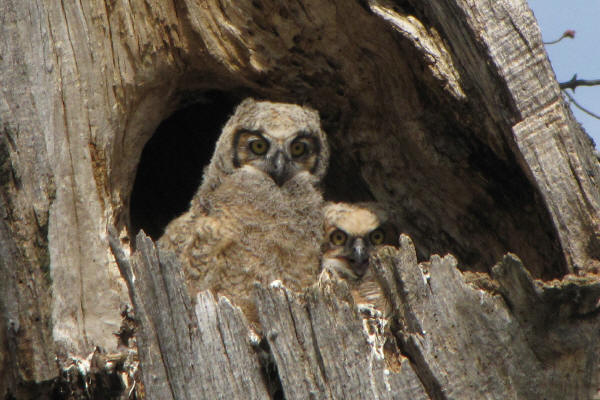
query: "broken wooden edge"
445, 336
452, 329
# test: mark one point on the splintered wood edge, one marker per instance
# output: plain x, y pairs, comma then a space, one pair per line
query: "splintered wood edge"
320, 345
317, 339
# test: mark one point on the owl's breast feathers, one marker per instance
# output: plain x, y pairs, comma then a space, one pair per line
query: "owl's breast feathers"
254, 231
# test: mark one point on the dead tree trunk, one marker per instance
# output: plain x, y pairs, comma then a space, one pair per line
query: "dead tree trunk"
446, 112
449, 338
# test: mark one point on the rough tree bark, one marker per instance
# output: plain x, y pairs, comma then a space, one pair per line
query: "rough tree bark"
447, 112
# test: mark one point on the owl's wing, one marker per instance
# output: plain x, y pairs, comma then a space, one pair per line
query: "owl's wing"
195, 239
176, 233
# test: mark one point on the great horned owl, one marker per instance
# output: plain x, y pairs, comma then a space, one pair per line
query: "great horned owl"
258, 215
277, 139
352, 233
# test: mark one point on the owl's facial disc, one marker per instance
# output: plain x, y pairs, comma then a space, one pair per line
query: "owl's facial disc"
280, 157
354, 250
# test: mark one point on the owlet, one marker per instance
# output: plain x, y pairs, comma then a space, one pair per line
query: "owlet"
352, 233
258, 215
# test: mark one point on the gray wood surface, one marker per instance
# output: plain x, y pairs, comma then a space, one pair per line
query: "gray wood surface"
321, 348
530, 110
186, 351
456, 337
448, 323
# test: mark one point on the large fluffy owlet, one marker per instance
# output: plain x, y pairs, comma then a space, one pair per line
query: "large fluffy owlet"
258, 215
352, 233
278, 139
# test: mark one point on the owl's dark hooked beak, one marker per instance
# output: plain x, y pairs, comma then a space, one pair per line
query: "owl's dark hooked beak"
278, 168
359, 257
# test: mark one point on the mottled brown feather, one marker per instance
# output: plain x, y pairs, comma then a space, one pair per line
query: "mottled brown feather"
241, 226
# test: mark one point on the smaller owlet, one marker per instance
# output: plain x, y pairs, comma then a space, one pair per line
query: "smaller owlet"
352, 233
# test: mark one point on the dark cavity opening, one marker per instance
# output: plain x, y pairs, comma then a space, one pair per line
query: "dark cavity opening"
172, 162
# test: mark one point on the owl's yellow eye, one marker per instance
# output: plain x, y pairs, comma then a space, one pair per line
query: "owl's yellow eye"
298, 149
259, 146
377, 236
338, 238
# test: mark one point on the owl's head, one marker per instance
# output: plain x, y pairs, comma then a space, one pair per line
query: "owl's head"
352, 233
279, 140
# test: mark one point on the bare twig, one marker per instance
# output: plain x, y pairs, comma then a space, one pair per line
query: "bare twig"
572, 100
569, 33
574, 82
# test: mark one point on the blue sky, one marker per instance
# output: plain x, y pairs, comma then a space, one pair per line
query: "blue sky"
579, 56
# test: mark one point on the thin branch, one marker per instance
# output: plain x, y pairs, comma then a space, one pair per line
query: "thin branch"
574, 82
569, 33
572, 100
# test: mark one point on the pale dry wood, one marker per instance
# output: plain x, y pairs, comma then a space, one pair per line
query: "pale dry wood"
561, 322
19, 332
502, 51
153, 370
464, 341
321, 349
319, 345
457, 339
187, 351
568, 180
512, 341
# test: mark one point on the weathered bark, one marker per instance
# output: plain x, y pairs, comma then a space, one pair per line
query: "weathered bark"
447, 112
514, 341
319, 348
187, 353
455, 339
